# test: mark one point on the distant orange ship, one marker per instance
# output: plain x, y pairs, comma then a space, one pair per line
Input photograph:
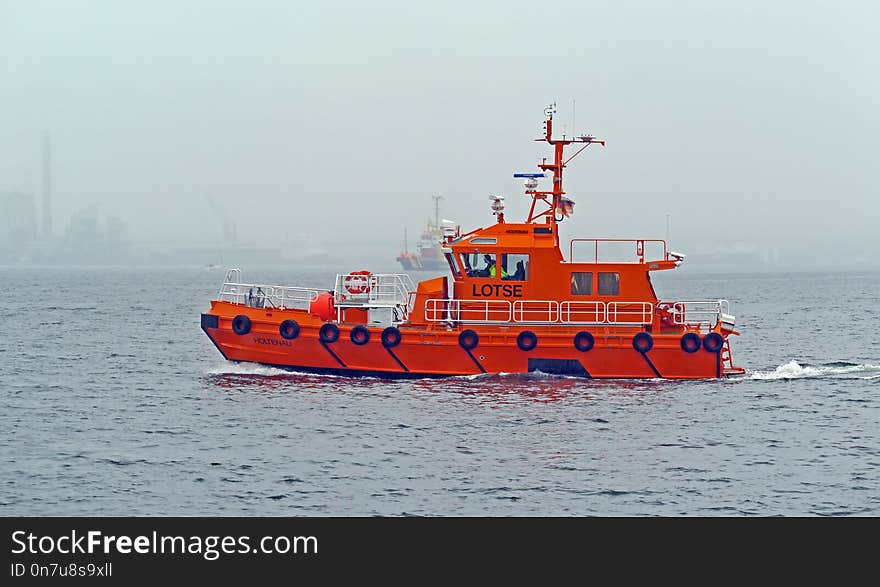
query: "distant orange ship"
514, 304
427, 256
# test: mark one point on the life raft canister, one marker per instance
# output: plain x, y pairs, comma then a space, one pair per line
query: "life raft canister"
690, 342
527, 340
289, 329
328, 333
584, 341
241, 324
643, 342
713, 342
468, 339
357, 282
322, 306
391, 337
360, 335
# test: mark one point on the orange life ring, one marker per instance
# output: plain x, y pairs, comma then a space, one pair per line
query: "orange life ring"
357, 282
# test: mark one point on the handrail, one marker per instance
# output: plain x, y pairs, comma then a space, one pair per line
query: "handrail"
396, 290
468, 311
524, 309
257, 295
596, 312
582, 312
629, 312
375, 290
639, 244
702, 312
232, 276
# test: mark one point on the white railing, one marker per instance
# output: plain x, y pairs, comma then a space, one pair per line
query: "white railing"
258, 295
538, 312
467, 311
232, 276
374, 290
629, 312
535, 311
396, 291
703, 312
617, 250
582, 312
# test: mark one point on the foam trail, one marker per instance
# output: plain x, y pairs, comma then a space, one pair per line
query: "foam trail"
230, 368
794, 370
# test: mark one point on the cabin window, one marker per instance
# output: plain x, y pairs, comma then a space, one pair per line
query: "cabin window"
514, 267
582, 283
482, 240
452, 266
478, 264
609, 283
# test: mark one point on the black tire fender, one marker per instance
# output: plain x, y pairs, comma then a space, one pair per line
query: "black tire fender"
584, 341
289, 329
391, 337
526, 340
329, 333
360, 335
643, 342
713, 342
690, 342
468, 339
241, 325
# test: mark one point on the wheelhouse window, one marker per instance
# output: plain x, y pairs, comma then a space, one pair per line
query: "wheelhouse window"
478, 264
514, 267
609, 283
452, 265
582, 283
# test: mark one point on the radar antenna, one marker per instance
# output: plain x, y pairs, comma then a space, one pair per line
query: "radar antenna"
553, 198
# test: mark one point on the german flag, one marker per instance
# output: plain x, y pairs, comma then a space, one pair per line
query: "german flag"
565, 206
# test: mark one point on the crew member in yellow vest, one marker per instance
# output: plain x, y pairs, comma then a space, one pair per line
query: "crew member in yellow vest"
492, 268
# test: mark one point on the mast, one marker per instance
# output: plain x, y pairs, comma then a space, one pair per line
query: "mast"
553, 197
437, 199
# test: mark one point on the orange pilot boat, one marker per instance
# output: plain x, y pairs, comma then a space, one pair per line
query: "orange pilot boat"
514, 304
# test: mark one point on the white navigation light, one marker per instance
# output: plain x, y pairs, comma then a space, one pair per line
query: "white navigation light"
678, 257
497, 204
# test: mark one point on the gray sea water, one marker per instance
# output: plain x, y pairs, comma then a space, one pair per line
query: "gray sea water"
113, 402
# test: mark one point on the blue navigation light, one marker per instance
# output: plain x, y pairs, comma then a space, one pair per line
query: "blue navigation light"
528, 175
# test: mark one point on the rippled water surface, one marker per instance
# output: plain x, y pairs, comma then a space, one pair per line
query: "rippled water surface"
113, 402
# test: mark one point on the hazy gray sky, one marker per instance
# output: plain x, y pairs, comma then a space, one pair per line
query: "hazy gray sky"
751, 120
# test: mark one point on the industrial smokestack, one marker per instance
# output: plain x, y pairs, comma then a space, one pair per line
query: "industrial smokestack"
47, 186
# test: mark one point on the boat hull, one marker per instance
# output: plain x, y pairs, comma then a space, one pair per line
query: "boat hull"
409, 263
436, 352
412, 263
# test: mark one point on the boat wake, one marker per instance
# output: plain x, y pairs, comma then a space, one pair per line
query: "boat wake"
839, 370
230, 368
254, 369
790, 370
